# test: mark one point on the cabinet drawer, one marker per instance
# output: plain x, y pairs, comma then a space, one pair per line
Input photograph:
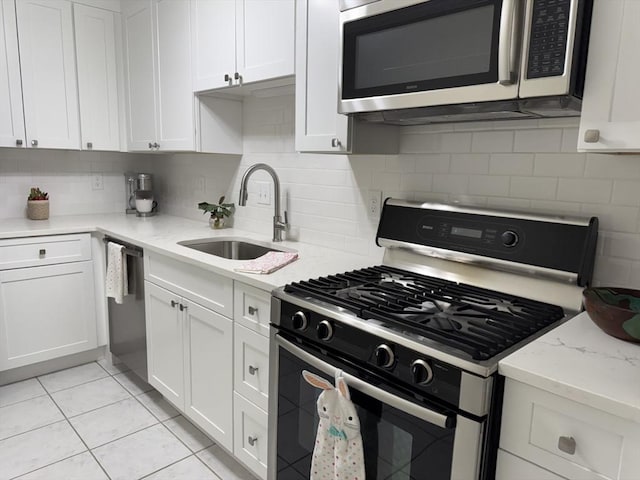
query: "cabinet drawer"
252, 308
206, 288
36, 251
566, 437
250, 435
511, 467
251, 365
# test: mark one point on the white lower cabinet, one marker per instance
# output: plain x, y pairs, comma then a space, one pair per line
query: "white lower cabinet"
47, 308
189, 352
567, 438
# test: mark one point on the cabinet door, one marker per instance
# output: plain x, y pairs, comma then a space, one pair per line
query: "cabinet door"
319, 127
47, 61
165, 343
11, 114
208, 361
214, 43
62, 321
611, 104
97, 77
251, 437
265, 36
175, 102
140, 83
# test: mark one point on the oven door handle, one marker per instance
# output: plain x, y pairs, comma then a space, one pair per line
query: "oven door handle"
387, 398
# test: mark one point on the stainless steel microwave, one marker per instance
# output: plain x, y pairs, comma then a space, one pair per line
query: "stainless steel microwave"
417, 61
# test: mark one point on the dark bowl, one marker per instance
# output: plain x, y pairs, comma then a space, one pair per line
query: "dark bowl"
615, 310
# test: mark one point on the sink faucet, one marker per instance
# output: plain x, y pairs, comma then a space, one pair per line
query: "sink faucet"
278, 224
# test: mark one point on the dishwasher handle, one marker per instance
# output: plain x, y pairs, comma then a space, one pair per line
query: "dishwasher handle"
132, 252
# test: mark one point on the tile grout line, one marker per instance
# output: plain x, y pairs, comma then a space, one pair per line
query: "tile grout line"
77, 434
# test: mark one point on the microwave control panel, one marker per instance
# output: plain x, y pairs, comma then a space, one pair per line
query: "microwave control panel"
548, 39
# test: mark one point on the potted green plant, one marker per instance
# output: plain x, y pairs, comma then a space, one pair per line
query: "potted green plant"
37, 204
219, 212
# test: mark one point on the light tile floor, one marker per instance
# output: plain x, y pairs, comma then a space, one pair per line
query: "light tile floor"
98, 422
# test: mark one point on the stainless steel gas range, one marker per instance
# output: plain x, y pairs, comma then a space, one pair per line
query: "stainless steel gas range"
418, 338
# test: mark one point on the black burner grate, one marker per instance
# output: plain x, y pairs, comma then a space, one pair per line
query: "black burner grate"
477, 321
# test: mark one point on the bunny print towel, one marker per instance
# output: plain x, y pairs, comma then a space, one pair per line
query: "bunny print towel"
338, 453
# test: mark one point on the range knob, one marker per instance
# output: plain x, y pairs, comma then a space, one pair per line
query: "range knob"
299, 321
384, 356
325, 330
421, 372
509, 238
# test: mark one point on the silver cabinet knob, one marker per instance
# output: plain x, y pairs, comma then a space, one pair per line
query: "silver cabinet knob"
34, 143
237, 77
173, 304
253, 370
252, 310
252, 440
567, 445
335, 142
150, 145
19, 142
592, 136
42, 252
156, 145
227, 78
183, 307
89, 145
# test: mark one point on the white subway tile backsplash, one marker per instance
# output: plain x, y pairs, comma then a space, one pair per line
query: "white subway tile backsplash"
539, 140
622, 245
613, 218
436, 143
416, 182
612, 166
533, 187
584, 190
489, 185
511, 163
432, 163
492, 142
611, 272
451, 184
473, 163
559, 164
626, 192
569, 140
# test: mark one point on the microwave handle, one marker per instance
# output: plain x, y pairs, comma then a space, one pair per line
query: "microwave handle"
507, 42
435, 418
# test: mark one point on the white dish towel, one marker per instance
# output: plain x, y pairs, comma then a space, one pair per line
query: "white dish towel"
117, 284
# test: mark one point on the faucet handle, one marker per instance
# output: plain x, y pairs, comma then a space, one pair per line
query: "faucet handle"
286, 220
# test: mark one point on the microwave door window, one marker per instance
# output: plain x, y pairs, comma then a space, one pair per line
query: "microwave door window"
403, 55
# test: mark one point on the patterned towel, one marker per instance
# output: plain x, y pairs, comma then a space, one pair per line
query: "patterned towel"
267, 263
117, 284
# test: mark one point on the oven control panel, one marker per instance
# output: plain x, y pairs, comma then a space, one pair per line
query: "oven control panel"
421, 373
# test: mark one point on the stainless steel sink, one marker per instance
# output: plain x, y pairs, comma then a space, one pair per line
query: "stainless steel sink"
233, 248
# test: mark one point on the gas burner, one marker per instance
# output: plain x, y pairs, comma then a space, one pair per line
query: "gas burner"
479, 322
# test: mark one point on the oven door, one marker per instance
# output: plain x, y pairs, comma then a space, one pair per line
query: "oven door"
436, 52
402, 439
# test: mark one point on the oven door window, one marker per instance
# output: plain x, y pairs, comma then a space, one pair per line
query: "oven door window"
430, 46
397, 446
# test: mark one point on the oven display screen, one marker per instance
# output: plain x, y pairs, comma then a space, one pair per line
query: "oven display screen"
466, 232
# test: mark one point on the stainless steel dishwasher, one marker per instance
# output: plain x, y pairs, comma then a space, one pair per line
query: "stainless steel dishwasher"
127, 327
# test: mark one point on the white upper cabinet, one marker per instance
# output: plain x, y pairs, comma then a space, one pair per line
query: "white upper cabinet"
610, 119
241, 41
140, 84
97, 77
47, 60
319, 126
11, 116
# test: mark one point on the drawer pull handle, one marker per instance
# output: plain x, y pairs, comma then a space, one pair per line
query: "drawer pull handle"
252, 310
592, 136
183, 307
42, 252
252, 440
567, 445
253, 370
173, 304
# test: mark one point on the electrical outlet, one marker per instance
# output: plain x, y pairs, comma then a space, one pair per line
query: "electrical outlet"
264, 193
374, 204
97, 182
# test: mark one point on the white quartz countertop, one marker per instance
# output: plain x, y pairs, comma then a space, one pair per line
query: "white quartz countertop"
580, 362
161, 233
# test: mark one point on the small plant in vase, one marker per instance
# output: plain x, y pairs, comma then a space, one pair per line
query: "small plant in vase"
37, 204
219, 212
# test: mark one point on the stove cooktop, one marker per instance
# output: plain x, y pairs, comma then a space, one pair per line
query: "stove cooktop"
477, 321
